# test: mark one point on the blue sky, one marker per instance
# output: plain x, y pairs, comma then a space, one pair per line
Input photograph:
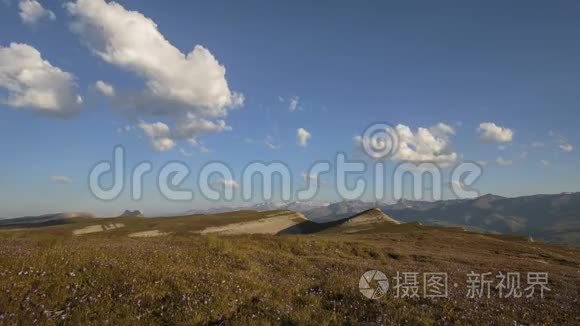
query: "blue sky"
348, 64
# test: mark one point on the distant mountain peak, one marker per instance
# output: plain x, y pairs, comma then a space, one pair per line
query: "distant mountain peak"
373, 215
129, 213
485, 201
491, 196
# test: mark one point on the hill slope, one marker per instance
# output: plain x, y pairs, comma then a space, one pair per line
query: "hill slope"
370, 216
45, 220
553, 218
50, 276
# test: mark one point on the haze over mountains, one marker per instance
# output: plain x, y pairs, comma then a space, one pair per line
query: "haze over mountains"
552, 218
296, 206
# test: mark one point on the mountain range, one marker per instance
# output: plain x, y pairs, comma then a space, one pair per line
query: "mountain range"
45, 220
551, 218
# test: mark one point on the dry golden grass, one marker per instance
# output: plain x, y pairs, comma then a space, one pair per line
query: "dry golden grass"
49, 276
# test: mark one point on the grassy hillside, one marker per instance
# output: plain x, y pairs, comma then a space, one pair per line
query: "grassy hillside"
49, 275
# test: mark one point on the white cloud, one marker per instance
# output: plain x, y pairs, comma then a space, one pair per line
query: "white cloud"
132, 41
159, 135
566, 148
163, 138
561, 141
545, 163
442, 129
502, 147
268, 141
503, 162
105, 88
192, 127
294, 103
482, 163
307, 177
425, 145
314, 178
188, 89
31, 11
60, 179
302, 136
185, 153
431, 144
229, 183
33, 83
126, 128
537, 144
489, 131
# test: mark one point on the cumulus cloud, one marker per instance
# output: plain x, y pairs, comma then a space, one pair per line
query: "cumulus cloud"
442, 129
302, 136
130, 40
503, 162
228, 183
31, 11
192, 127
189, 89
105, 88
545, 162
159, 135
425, 145
566, 148
163, 138
33, 83
294, 103
490, 132
60, 179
